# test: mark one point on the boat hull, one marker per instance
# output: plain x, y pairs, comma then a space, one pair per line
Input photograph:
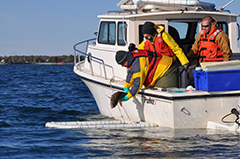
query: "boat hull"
166, 109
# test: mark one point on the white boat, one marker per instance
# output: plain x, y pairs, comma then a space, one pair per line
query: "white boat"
166, 108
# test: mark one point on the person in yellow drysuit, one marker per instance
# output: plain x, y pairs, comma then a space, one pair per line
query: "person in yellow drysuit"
156, 40
148, 69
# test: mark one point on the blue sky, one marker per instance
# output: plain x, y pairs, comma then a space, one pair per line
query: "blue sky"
52, 27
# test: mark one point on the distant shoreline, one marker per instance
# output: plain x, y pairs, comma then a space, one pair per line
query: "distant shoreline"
40, 63
52, 63
38, 60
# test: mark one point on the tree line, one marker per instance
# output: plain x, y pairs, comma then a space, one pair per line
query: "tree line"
36, 59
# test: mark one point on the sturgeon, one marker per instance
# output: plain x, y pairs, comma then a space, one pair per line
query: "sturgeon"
115, 97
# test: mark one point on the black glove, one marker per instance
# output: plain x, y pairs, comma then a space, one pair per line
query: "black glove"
132, 47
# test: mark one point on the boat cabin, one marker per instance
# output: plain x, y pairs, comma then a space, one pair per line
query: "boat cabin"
124, 27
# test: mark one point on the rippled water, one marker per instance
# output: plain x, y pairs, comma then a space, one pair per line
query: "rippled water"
31, 95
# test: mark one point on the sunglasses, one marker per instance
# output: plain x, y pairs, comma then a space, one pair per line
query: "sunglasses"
205, 26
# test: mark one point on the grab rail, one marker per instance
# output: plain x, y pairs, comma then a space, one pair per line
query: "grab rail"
76, 50
90, 57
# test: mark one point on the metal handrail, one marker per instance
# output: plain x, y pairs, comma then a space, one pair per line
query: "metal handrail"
89, 56
76, 50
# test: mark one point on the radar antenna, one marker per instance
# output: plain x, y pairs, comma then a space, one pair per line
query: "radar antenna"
222, 8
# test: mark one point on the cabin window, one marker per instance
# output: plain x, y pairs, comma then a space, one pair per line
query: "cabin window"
197, 31
184, 33
238, 31
223, 26
122, 33
140, 33
178, 28
107, 33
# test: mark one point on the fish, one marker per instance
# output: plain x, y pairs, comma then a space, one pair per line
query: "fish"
115, 97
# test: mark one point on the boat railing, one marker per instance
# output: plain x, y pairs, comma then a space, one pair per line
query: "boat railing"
80, 57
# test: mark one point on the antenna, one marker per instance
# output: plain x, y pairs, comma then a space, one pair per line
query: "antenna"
222, 8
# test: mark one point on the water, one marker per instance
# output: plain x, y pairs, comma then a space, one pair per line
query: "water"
31, 95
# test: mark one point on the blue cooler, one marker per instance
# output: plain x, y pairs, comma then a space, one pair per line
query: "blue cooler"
217, 80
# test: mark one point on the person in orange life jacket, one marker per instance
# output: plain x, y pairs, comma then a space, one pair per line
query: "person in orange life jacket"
211, 45
156, 40
148, 69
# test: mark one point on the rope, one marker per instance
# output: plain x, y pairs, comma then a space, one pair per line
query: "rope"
110, 82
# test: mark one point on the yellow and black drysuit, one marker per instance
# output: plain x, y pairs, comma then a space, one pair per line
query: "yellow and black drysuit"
146, 68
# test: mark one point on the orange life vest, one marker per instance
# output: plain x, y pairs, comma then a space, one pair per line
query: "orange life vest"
159, 46
153, 63
208, 49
